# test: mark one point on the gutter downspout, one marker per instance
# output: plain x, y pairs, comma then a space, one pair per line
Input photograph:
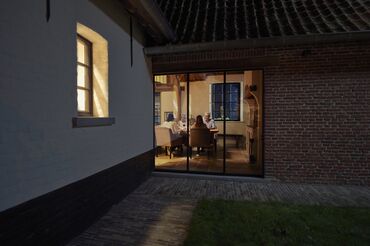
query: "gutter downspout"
259, 43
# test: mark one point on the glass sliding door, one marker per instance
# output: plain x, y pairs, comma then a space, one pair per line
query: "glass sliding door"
209, 122
205, 109
170, 112
243, 117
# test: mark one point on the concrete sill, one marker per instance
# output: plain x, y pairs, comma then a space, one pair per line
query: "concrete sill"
92, 121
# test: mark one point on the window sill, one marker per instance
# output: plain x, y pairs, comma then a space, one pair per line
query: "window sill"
92, 121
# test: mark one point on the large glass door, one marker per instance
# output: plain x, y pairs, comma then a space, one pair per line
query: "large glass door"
209, 122
206, 149
170, 130
243, 117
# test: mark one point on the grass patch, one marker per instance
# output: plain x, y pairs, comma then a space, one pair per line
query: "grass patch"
218, 222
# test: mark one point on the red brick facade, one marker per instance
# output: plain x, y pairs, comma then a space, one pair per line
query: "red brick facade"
317, 114
316, 107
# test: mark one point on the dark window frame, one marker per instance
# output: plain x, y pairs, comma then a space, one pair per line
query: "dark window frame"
221, 101
155, 108
89, 66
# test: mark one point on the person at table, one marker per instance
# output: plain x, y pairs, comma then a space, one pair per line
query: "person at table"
183, 123
208, 121
171, 124
199, 123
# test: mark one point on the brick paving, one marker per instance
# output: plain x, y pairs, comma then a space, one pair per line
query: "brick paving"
159, 211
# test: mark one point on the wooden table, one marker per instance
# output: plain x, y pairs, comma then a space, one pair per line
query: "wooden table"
214, 131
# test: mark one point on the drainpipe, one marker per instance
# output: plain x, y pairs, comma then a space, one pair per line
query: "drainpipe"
259, 43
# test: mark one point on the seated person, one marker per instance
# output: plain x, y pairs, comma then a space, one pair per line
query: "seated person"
199, 123
171, 124
210, 123
183, 123
191, 120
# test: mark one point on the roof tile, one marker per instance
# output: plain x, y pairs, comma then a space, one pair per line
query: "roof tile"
197, 21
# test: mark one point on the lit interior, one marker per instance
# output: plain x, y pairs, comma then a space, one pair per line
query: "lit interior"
82, 76
100, 70
82, 100
242, 128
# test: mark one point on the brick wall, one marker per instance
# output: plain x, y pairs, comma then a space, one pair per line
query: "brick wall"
317, 114
316, 107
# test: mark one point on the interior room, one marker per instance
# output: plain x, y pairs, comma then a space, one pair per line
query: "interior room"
232, 103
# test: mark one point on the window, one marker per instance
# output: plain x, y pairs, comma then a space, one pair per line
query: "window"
92, 79
84, 77
232, 101
157, 108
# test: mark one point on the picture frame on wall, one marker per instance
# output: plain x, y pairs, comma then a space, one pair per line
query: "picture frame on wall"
166, 115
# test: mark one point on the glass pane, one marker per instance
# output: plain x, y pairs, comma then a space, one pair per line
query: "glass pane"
170, 119
157, 108
83, 100
83, 79
217, 100
232, 103
205, 147
82, 52
243, 134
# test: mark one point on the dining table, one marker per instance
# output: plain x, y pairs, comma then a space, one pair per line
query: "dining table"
214, 132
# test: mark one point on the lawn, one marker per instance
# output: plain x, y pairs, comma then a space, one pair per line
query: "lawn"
218, 222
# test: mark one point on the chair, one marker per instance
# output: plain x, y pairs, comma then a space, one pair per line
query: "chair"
202, 138
165, 138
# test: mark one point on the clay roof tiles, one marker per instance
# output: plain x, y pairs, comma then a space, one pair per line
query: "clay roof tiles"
196, 21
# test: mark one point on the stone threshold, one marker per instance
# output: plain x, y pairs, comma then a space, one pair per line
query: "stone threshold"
168, 174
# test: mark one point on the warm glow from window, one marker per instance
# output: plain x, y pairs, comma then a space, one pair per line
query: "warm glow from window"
92, 86
82, 53
82, 100
161, 79
84, 71
82, 74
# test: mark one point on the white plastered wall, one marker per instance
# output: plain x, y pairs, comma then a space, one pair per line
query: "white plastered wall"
39, 149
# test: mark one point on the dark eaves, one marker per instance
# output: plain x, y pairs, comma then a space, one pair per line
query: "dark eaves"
152, 19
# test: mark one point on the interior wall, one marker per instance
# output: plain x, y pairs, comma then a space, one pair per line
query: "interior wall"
184, 99
199, 100
251, 124
168, 104
39, 149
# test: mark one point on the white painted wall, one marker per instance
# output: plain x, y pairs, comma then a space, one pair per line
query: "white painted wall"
39, 149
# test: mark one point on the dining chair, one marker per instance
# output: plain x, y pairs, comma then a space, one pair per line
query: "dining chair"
201, 138
165, 138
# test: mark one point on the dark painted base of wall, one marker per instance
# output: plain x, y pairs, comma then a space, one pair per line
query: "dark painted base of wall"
58, 216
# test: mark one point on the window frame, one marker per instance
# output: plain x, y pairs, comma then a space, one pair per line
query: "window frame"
225, 103
87, 43
157, 94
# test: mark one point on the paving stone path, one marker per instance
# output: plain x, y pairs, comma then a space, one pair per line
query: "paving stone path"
159, 211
